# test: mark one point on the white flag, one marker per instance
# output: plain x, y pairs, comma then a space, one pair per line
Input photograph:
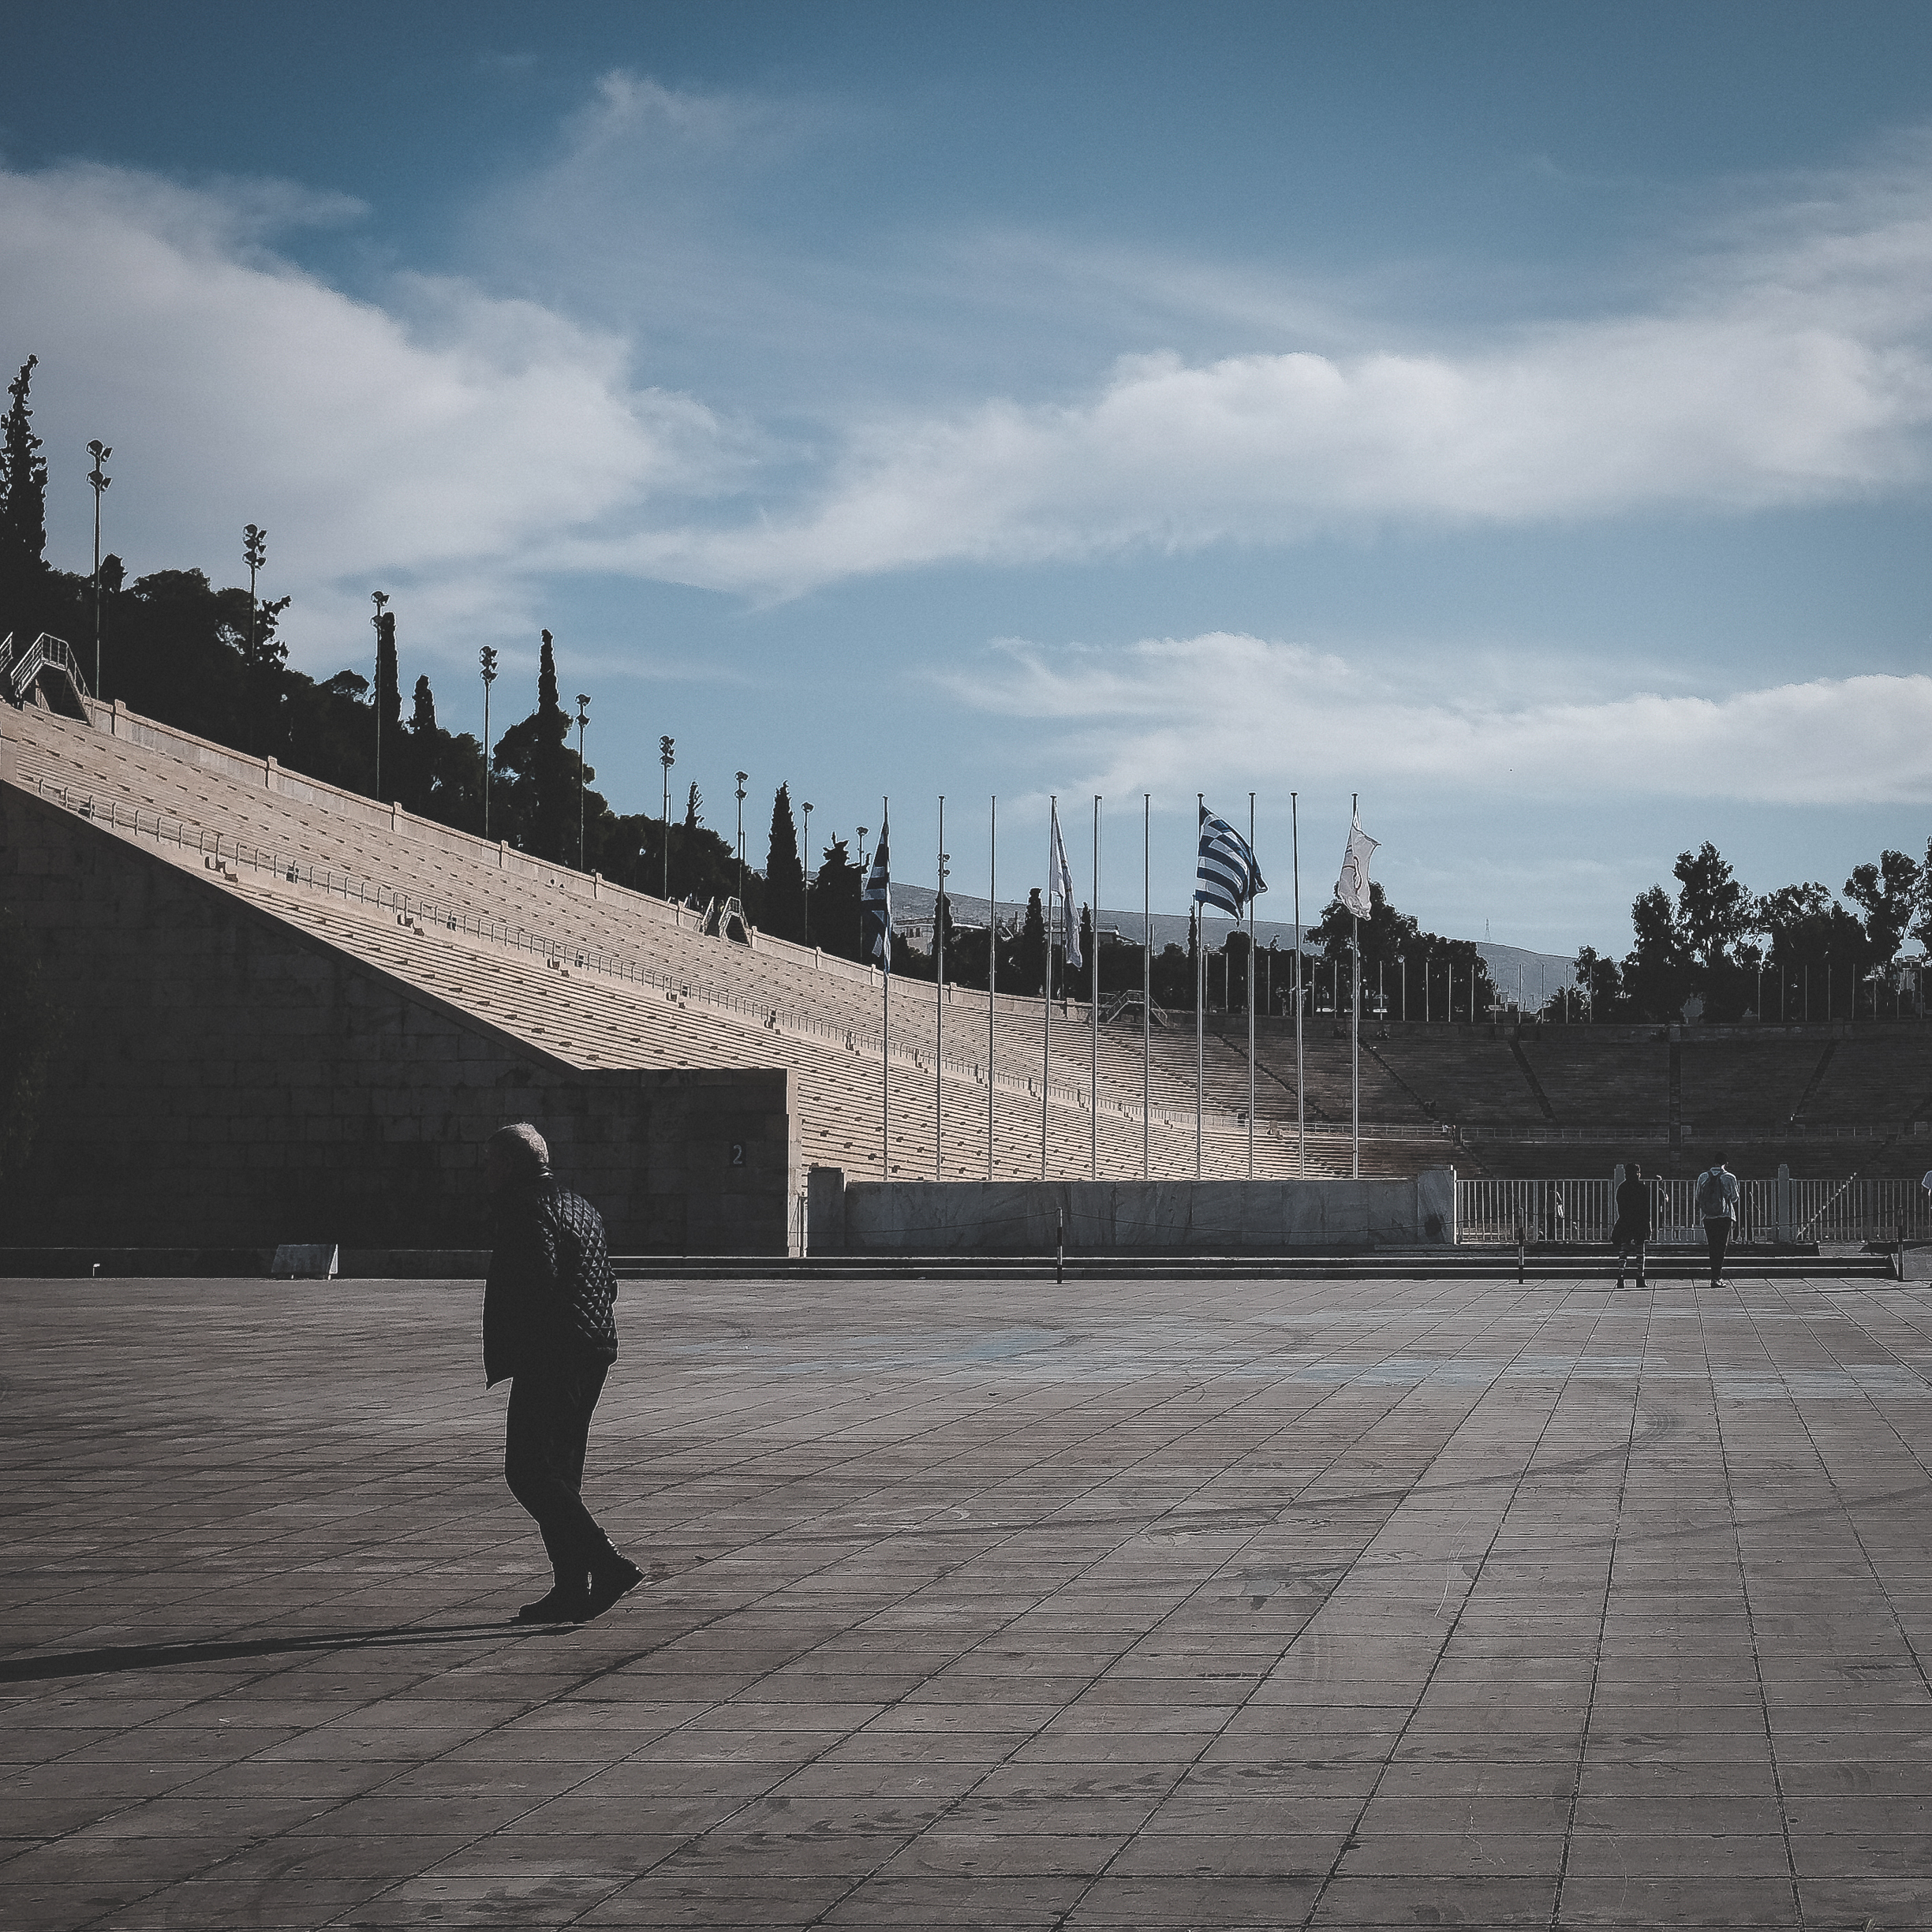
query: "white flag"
1062, 883
1352, 888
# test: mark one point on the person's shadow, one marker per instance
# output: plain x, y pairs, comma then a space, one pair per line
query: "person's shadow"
118, 1656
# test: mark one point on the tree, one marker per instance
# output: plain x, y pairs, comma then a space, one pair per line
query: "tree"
23, 492
1657, 970
554, 805
388, 694
1599, 982
1086, 943
1887, 893
1033, 951
784, 874
835, 891
1713, 908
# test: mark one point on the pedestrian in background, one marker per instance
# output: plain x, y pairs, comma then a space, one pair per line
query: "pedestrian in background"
549, 1323
1715, 1195
1633, 1221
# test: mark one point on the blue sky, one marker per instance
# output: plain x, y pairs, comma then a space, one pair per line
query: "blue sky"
1517, 414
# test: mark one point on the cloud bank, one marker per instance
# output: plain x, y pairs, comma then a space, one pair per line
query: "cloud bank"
1168, 715
464, 441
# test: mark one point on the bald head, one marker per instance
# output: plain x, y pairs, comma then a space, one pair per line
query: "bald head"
517, 1154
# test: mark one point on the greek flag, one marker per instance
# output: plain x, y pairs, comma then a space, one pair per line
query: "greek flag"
1227, 875
875, 906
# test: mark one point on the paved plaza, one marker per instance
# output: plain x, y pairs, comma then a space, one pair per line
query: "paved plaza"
1338, 1603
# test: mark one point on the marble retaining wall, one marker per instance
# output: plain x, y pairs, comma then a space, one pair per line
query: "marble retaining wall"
1126, 1217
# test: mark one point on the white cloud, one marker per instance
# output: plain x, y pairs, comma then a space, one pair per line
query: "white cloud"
448, 439
1159, 714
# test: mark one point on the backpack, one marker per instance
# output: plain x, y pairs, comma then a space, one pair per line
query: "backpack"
1714, 1200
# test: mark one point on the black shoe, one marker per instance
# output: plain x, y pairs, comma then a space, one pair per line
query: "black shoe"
562, 1605
610, 1579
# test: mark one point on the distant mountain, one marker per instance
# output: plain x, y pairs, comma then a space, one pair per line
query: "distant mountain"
1531, 977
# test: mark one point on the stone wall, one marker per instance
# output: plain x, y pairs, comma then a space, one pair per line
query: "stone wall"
1128, 1218
225, 1079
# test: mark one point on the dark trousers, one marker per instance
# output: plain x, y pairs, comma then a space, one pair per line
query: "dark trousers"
550, 1406
1631, 1245
1717, 1236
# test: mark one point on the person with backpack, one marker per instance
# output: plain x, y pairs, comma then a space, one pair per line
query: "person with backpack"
1633, 1221
1716, 1196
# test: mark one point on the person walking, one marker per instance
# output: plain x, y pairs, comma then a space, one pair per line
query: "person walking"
549, 1324
1633, 1221
1715, 1195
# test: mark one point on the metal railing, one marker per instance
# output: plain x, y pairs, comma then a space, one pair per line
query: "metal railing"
46, 652
1803, 1212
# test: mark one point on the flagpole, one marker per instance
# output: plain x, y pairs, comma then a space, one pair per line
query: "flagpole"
1093, 1075
1147, 971
1354, 1103
1201, 968
939, 1005
885, 1059
992, 965
1300, 1115
1046, 1030
1250, 994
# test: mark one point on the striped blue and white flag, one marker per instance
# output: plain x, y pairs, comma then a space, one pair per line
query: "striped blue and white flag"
875, 906
1226, 877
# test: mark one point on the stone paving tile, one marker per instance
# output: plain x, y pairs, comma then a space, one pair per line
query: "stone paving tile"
1268, 1603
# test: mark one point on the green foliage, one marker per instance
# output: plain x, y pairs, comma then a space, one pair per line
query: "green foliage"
1887, 893
1031, 964
784, 874
835, 891
1714, 910
23, 494
1447, 978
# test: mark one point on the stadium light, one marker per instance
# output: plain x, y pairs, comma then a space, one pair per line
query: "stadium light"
378, 597
487, 657
807, 872
98, 478
667, 756
583, 719
742, 777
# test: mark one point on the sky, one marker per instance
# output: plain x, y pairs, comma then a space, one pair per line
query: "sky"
1519, 416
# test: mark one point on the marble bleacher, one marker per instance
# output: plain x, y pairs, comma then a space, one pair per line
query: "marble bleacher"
683, 998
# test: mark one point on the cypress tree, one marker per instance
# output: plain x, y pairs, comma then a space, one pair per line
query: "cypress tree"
1033, 945
423, 715
23, 490
784, 874
556, 806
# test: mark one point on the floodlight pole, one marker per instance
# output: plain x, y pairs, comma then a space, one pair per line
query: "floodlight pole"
378, 597
667, 756
98, 478
742, 777
487, 658
583, 719
807, 872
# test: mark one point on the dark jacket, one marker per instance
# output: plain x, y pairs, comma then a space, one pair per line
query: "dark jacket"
1633, 1213
551, 1293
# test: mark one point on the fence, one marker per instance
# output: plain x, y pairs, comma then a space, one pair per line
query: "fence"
1803, 1212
